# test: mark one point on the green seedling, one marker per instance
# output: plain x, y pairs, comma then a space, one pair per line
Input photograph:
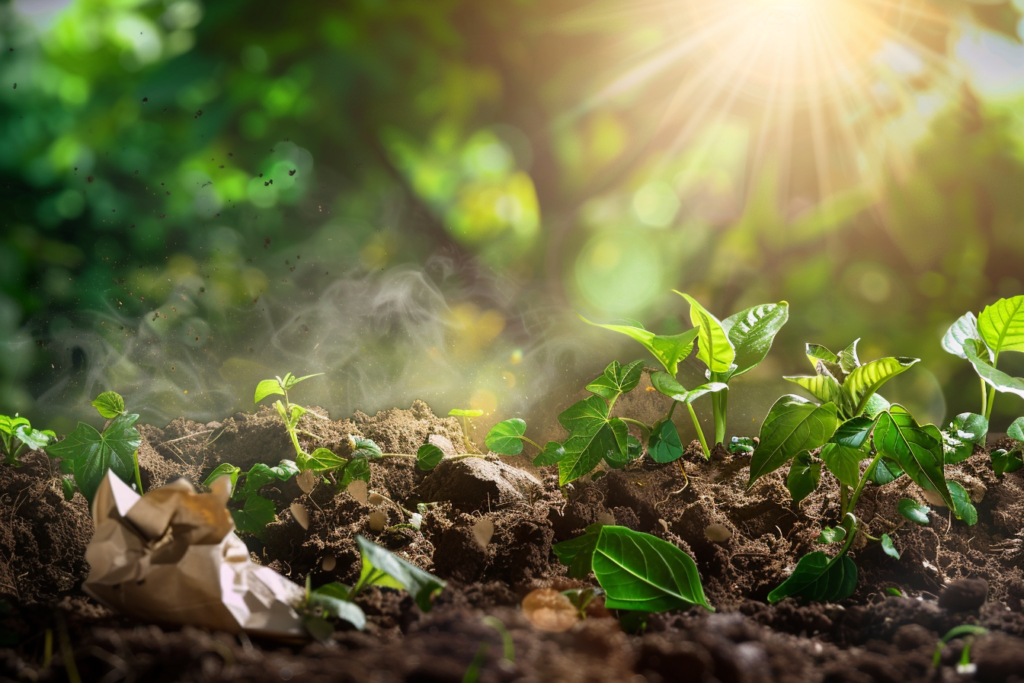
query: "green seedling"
16, 433
981, 340
968, 631
638, 572
581, 599
87, 453
895, 592
466, 414
1010, 461
335, 601
853, 424
728, 348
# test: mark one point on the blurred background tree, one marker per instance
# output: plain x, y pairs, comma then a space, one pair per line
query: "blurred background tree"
414, 196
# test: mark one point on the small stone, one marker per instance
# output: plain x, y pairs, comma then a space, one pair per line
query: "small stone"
965, 595
329, 563
472, 484
717, 533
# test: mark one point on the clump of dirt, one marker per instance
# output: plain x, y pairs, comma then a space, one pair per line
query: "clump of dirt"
42, 536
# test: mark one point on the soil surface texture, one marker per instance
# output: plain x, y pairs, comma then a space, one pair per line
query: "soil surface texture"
949, 574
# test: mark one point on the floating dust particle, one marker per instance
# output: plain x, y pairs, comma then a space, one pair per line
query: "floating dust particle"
483, 532
549, 610
300, 515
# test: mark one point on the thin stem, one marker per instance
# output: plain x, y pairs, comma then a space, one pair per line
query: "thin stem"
138, 477
532, 443
700, 432
720, 405
984, 397
844, 499
671, 410
991, 392
638, 423
863, 480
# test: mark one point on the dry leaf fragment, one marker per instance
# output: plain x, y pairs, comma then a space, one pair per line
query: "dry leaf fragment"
306, 481
378, 520
549, 610
934, 498
329, 563
300, 515
358, 490
483, 531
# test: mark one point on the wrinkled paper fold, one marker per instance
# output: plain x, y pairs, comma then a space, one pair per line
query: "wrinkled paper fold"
172, 556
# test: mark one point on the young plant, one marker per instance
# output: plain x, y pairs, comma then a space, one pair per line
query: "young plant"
466, 414
87, 453
637, 571
981, 340
1010, 461
16, 433
380, 568
728, 348
851, 425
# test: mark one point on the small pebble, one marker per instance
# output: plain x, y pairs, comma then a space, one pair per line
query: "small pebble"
717, 533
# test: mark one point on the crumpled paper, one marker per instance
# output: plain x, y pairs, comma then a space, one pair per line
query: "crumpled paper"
172, 556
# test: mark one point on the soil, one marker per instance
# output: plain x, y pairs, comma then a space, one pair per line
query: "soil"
949, 573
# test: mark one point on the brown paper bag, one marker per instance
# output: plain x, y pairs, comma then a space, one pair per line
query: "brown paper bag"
172, 556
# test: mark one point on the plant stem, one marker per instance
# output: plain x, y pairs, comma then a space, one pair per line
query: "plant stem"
991, 392
638, 423
720, 405
843, 500
671, 410
700, 432
532, 443
138, 477
863, 480
984, 397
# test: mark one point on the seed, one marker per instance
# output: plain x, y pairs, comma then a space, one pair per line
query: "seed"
549, 610
306, 481
717, 533
483, 531
378, 520
329, 563
358, 490
300, 515
376, 499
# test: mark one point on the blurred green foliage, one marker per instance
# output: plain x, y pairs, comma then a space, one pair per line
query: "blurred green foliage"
163, 162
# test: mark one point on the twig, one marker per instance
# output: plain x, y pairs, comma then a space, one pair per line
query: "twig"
189, 436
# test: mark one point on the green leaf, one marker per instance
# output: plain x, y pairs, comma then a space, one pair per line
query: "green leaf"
875, 406
848, 359
578, 553
831, 535
429, 456
33, 438
357, 469
854, 432
864, 381
506, 437
324, 460
1002, 325
383, 568
1016, 430
363, 448
894, 592
843, 462
553, 452
592, 437
461, 412
914, 511
617, 380
332, 598
1003, 461
794, 424
997, 379
964, 329
823, 387
666, 384
966, 430
109, 404
260, 475
91, 454
963, 509
225, 468
268, 387
888, 548
886, 470
665, 445
669, 350
804, 475
290, 380
752, 332
818, 578
68, 485
713, 347
255, 515
817, 352
916, 449
643, 573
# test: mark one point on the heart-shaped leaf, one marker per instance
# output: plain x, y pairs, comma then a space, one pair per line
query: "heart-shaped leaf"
33, 438
831, 535
1001, 325
506, 437
804, 475
713, 345
1003, 461
578, 553
752, 332
332, 598
963, 509
964, 432
914, 511
666, 384
592, 437
918, 450
643, 573
888, 548
255, 515
818, 578
617, 380
665, 445
964, 329
794, 424
843, 462
669, 350
268, 387
429, 456
223, 469
91, 454
109, 404
383, 568
1016, 430
553, 452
